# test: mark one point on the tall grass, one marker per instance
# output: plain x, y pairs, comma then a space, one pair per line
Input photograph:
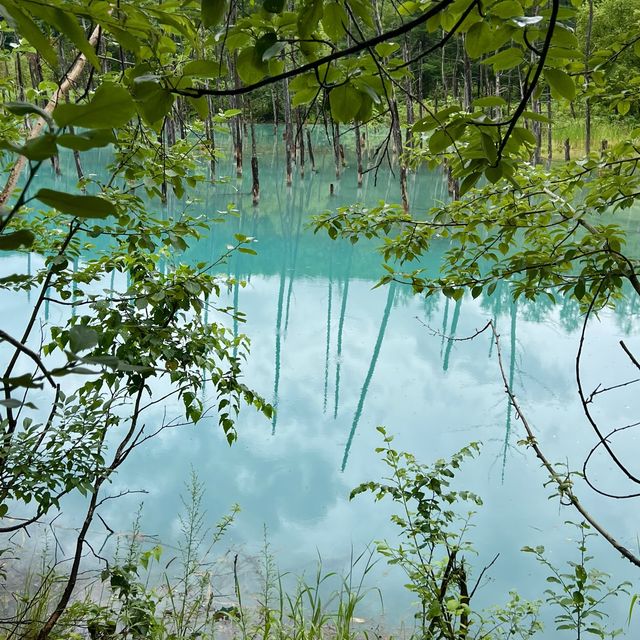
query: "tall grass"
141, 595
573, 129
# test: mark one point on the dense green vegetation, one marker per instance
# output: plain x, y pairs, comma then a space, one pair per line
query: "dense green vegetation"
489, 91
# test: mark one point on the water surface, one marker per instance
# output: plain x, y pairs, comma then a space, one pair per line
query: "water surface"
338, 357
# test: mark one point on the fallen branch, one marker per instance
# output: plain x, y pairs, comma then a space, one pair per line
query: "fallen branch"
70, 79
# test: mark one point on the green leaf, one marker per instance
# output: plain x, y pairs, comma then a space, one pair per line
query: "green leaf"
200, 105
110, 107
124, 38
248, 69
68, 25
334, 20
533, 115
309, 17
154, 100
86, 140
439, 141
469, 182
205, 68
385, 49
265, 43
524, 135
345, 102
561, 83
507, 9
506, 59
4, 509
28, 29
493, 174
273, 51
212, 12
623, 107
489, 101
38, 148
26, 108
489, 147
479, 39
22, 238
304, 96
80, 206
82, 338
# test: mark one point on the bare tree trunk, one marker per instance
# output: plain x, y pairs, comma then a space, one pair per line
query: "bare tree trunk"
170, 130
255, 179
468, 80
567, 150
76, 159
537, 132
454, 75
274, 106
35, 72
311, 156
70, 79
420, 94
237, 129
549, 131
162, 140
397, 139
359, 154
211, 141
180, 109
336, 147
236, 126
288, 132
587, 102
300, 139
443, 71
408, 90
19, 77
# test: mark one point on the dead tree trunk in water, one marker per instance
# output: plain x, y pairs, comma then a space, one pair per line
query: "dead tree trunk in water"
76, 158
274, 107
211, 140
311, 156
359, 154
236, 124
288, 132
238, 144
396, 131
397, 141
255, 179
300, 139
162, 141
336, 147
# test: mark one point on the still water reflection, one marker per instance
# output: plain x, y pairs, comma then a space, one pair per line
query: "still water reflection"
337, 358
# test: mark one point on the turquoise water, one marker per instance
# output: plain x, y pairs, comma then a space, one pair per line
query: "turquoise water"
338, 358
